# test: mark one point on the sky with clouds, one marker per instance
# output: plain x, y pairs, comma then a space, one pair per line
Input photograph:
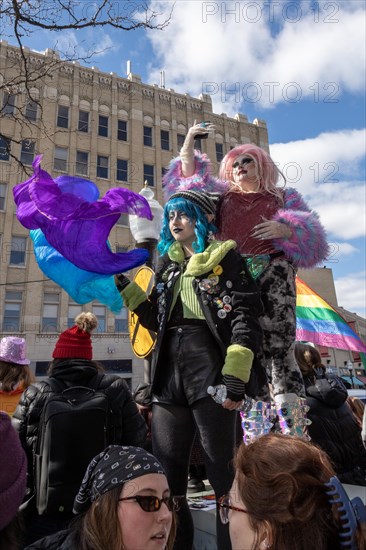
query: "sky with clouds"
298, 65
301, 67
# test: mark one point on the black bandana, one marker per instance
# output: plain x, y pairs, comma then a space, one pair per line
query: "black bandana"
111, 468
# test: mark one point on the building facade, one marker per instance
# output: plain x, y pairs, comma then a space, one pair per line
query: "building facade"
117, 132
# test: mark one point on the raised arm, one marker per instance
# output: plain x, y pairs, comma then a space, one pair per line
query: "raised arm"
192, 169
187, 158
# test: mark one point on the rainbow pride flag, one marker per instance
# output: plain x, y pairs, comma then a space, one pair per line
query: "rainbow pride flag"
318, 322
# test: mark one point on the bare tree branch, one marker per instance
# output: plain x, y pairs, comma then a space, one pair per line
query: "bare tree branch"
20, 19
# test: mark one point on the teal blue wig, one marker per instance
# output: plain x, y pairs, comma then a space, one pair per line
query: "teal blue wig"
202, 226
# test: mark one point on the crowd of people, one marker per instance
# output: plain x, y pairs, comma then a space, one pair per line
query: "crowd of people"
87, 465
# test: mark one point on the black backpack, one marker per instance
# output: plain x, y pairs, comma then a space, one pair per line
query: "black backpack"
74, 427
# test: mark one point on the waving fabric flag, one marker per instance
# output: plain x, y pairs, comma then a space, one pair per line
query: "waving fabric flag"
318, 322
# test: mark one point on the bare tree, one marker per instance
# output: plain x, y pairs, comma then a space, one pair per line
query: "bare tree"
20, 19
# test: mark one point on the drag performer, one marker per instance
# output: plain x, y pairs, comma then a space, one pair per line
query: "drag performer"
276, 232
204, 308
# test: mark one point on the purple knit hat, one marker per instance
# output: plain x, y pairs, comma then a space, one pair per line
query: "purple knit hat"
13, 471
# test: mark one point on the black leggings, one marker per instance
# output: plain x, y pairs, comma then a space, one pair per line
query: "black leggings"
173, 431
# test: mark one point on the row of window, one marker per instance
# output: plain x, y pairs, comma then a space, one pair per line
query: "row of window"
63, 121
61, 154
60, 162
8, 107
111, 366
18, 245
49, 322
104, 128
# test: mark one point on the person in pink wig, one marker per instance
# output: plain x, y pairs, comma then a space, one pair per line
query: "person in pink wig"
276, 232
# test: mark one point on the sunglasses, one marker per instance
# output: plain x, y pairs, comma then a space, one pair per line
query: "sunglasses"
150, 503
244, 161
224, 505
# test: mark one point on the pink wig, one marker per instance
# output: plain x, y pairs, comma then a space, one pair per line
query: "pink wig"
267, 172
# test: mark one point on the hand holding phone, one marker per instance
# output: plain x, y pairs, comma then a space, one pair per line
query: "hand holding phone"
205, 135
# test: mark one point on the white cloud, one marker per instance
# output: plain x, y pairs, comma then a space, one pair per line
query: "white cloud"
347, 249
206, 43
326, 170
351, 292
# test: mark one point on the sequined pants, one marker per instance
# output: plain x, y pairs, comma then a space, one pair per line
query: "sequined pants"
278, 293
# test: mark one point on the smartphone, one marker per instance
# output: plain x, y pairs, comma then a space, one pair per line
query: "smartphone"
202, 136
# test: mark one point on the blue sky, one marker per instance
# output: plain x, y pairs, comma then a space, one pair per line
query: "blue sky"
298, 65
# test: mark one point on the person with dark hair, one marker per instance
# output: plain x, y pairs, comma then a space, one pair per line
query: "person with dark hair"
286, 496
13, 473
15, 373
276, 232
71, 371
333, 426
204, 308
124, 502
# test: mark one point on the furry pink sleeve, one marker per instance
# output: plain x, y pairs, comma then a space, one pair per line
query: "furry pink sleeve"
308, 245
202, 179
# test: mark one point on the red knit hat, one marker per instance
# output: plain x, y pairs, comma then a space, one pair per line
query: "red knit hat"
75, 342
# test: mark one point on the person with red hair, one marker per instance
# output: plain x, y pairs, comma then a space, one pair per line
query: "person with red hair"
276, 232
286, 496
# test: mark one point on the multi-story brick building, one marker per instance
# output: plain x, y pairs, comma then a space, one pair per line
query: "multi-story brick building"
115, 131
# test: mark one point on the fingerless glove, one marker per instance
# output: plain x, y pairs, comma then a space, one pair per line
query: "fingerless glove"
121, 281
235, 387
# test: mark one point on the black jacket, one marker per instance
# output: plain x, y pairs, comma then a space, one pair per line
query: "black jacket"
62, 540
129, 426
239, 326
335, 429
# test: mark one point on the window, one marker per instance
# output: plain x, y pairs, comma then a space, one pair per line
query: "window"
102, 166
119, 366
180, 140
2, 195
18, 250
4, 148
63, 116
122, 170
72, 312
103, 126
83, 124
219, 152
149, 174
122, 130
123, 220
164, 139
27, 151
31, 110
50, 312
324, 351
82, 161
121, 321
12, 308
42, 368
121, 249
8, 104
100, 313
60, 158
148, 136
